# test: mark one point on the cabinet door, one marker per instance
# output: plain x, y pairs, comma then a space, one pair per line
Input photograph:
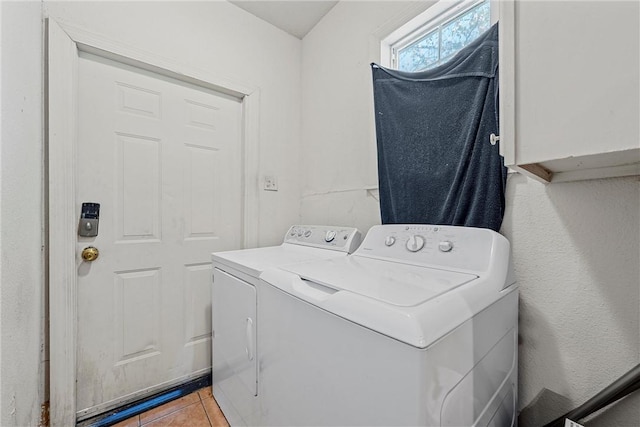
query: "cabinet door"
234, 338
570, 84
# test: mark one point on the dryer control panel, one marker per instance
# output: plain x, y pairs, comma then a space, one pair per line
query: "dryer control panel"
344, 239
464, 248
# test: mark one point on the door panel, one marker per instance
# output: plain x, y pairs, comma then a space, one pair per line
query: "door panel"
163, 158
136, 303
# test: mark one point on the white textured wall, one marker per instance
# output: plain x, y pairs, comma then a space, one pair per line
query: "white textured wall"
21, 229
338, 135
575, 245
576, 252
216, 36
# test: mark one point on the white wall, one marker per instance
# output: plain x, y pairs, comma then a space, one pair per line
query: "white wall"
21, 229
576, 246
215, 36
576, 249
338, 135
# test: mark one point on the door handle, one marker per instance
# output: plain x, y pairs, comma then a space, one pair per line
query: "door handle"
90, 253
249, 337
310, 290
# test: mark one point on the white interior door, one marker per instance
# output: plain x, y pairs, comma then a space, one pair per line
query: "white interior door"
163, 159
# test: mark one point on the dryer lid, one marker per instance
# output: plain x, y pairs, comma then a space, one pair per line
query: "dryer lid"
254, 261
393, 283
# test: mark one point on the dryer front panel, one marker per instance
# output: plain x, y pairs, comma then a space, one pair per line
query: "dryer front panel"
234, 342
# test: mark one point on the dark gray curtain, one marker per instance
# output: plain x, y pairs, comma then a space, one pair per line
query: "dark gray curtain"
435, 162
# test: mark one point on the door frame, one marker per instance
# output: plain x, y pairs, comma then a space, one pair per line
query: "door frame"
64, 45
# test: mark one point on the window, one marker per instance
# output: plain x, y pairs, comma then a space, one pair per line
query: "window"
437, 34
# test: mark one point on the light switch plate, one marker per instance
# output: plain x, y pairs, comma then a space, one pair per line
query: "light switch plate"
270, 183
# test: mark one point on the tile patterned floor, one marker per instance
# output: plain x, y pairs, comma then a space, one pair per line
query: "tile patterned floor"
198, 409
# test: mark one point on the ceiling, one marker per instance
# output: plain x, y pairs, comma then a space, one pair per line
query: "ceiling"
296, 17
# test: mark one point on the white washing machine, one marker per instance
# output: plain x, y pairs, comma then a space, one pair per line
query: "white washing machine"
234, 305
417, 327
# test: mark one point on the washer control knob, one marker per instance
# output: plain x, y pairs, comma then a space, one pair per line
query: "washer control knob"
415, 243
329, 236
389, 241
445, 246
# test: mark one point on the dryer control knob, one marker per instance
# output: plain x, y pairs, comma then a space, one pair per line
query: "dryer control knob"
329, 236
389, 241
415, 243
445, 246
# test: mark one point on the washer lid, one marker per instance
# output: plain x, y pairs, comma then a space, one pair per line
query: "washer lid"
393, 283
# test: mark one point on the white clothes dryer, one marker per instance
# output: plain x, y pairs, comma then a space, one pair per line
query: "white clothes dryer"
417, 327
234, 309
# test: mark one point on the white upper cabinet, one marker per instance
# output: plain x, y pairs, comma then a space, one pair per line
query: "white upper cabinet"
570, 88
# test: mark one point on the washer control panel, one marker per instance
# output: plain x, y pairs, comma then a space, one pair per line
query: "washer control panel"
344, 239
431, 245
